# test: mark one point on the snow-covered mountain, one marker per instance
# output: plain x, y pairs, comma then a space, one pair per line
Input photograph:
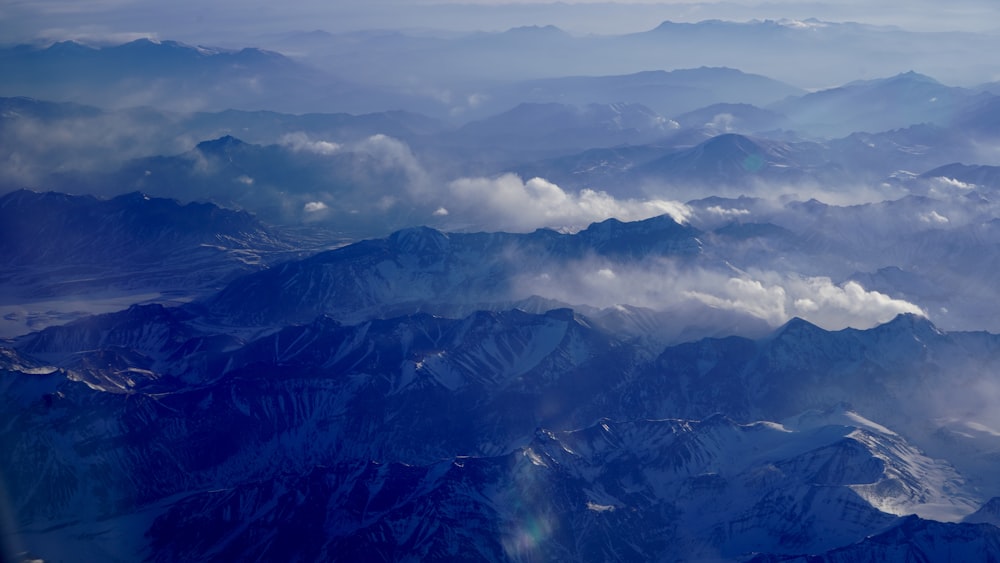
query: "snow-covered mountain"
913, 539
56, 244
663, 266
645, 490
531, 296
401, 394
499, 435
63, 256
421, 268
972, 176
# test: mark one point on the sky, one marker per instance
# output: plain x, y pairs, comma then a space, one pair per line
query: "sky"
232, 22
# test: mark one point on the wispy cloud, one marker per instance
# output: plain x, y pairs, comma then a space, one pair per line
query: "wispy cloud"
300, 141
665, 285
509, 203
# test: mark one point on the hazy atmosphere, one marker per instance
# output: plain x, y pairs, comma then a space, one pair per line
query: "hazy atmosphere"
250, 22
504, 281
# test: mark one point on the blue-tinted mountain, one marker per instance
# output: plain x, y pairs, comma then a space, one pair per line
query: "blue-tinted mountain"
467, 428
263, 127
989, 513
914, 148
980, 118
174, 76
602, 168
496, 396
132, 228
878, 105
666, 92
892, 280
732, 117
732, 159
979, 175
73, 148
706, 155
252, 126
54, 243
792, 51
913, 539
553, 126
601, 478
422, 267
711, 375
274, 181
19, 107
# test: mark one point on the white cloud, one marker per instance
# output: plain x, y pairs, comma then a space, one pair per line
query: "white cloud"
385, 153
933, 217
722, 122
952, 182
96, 35
850, 304
767, 302
727, 213
509, 203
666, 286
393, 153
299, 141
31, 149
799, 24
471, 102
314, 206
476, 100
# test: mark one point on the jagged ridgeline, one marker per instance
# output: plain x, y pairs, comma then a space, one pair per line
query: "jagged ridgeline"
340, 419
695, 291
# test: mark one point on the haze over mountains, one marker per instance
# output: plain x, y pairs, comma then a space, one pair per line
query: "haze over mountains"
708, 290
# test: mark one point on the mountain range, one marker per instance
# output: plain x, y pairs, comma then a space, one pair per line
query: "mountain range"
715, 291
585, 395
775, 48
508, 435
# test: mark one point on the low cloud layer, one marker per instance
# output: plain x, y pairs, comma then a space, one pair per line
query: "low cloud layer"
510, 203
503, 203
299, 141
33, 148
769, 296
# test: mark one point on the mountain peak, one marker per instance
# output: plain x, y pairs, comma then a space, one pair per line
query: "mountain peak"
910, 323
143, 41
221, 144
730, 142
911, 77
612, 228
132, 197
989, 513
796, 326
537, 30
149, 45
69, 46
419, 240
